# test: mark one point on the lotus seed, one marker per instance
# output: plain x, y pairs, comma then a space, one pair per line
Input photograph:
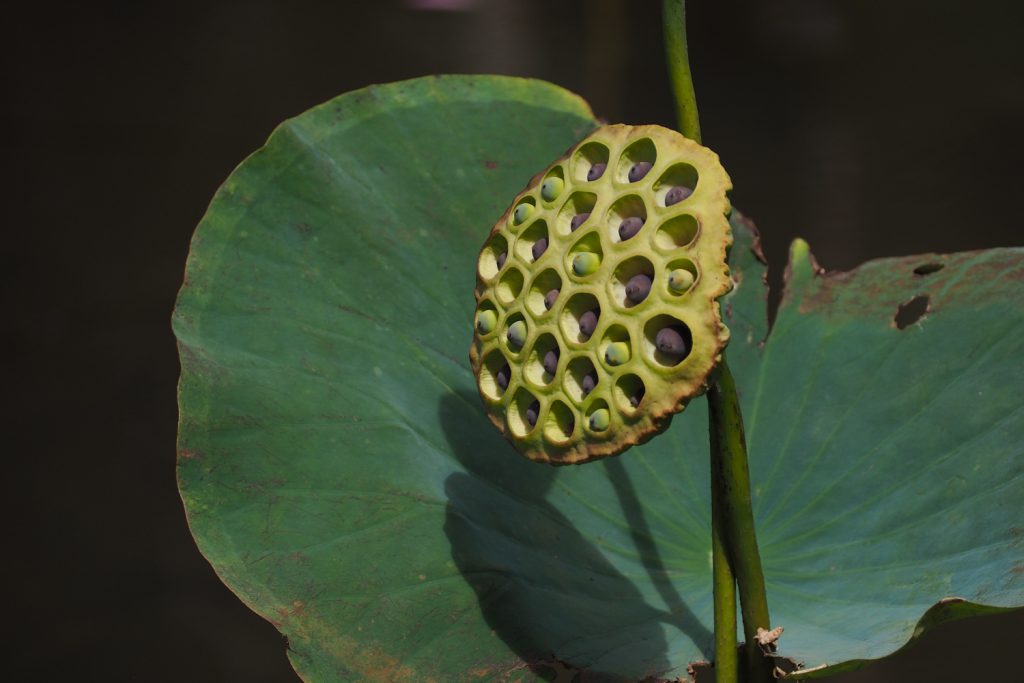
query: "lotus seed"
502, 376
630, 227
588, 382
539, 247
532, 411
551, 361
501, 260
550, 298
638, 170
596, 171
588, 322
670, 342
522, 212
517, 334
551, 188
638, 287
679, 280
578, 220
485, 321
617, 353
637, 396
600, 419
677, 194
585, 263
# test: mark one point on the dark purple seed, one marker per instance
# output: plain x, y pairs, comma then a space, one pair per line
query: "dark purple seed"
532, 412
630, 227
638, 170
570, 427
588, 382
637, 396
550, 298
502, 376
578, 220
550, 362
501, 259
677, 194
638, 287
539, 247
596, 171
671, 342
588, 322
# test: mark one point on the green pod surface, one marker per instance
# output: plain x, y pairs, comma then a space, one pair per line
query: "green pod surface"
680, 248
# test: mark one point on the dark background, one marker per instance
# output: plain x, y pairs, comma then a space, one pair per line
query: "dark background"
870, 128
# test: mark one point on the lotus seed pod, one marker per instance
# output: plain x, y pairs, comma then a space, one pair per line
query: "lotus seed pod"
630, 227
600, 333
532, 412
671, 342
578, 220
517, 334
585, 263
638, 170
485, 321
551, 188
600, 419
677, 194
550, 298
539, 247
522, 212
588, 322
638, 287
550, 362
680, 280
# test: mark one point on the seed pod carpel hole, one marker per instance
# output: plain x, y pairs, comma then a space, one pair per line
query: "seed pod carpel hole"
676, 233
616, 348
560, 423
660, 329
580, 378
527, 244
579, 204
576, 309
514, 334
584, 257
522, 212
538, 363
585, 159
626, 287
599, 418
487, 266
510, 286
547, 282
626, 218
494, 367
640, 152
486, 319
682, 176
629, 393
680, 276
553, 185
523, 408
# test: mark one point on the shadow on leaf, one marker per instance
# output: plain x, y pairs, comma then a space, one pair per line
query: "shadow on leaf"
546, 590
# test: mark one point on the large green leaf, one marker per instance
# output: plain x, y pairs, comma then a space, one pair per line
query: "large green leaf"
340, 475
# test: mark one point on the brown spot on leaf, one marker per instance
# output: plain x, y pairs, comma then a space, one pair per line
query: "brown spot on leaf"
491, 165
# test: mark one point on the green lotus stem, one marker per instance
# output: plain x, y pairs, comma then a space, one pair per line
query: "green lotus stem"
730, 486
724, 585
674, 24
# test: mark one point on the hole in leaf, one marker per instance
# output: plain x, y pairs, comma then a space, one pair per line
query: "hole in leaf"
911, 311
928, 268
